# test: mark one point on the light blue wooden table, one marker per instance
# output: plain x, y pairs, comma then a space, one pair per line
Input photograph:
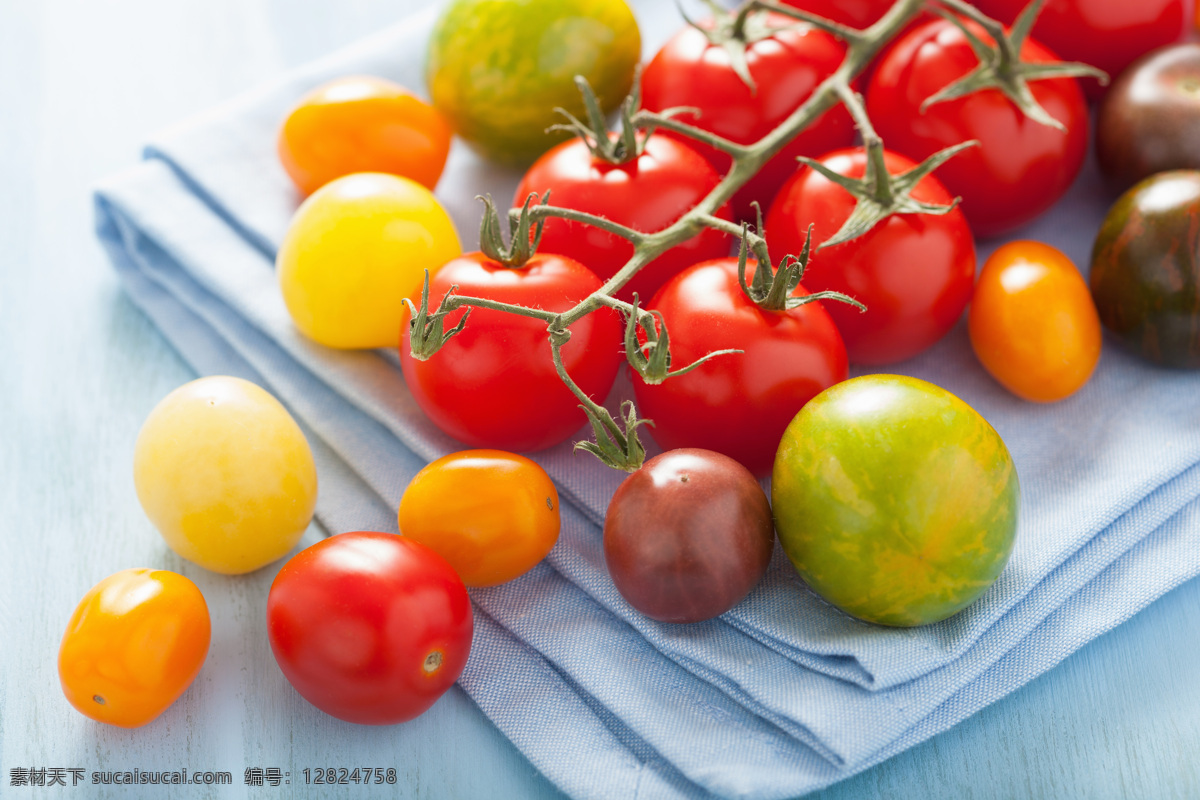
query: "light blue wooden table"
81, 85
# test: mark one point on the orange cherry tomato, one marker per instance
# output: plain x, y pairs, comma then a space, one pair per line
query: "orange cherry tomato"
1033, 324
362, 124
493, 515
136, 641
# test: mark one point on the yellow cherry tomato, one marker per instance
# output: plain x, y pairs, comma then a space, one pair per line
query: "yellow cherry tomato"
362, 124
355, 249
493, 515
136, 641
1033, 324
225, 474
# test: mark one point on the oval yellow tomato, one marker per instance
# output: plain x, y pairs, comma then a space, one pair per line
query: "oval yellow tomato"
1033, 324
362, 124
355, 249
493, 515
225, 474
136, 641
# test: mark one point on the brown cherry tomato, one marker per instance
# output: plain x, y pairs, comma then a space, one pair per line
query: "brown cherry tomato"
688, 535
362, 124
493, 515
1033, 324
136, 641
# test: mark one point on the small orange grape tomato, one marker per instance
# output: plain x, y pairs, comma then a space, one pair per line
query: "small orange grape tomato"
493, 515
1033, 324
362, 124
136, 641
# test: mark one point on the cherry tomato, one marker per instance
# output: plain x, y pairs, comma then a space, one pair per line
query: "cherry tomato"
494, 384
647, 194
362, 124
1021, 167
492, 515
895, 500
355, 249
1145, 275
786, 68
225, 474
369, 627
1033, 324
497, 69
135, 643
1109, 34
913, 272
737, 404
687, 536
1148, 120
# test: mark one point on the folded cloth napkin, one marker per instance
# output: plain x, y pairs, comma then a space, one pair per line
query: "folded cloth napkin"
783, 694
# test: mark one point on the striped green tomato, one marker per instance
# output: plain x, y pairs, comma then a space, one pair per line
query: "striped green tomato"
895, 500
498, 68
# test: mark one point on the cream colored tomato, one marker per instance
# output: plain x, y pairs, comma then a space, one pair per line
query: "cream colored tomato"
355, 249
225, 474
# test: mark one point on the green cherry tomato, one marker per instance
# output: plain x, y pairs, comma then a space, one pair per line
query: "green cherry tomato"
1145, 275
895, 500
497, 69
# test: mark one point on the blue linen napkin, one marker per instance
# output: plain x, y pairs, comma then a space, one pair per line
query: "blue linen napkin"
783, 694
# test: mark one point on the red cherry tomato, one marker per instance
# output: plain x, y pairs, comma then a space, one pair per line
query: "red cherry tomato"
1109, 34
914, 273
737, 404
1021, 167
647, 194
494, 384
369, 627
786, 68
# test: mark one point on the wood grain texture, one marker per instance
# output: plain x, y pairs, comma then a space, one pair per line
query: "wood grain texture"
82, 84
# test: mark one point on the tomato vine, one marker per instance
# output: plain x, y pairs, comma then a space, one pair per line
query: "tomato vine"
879, 195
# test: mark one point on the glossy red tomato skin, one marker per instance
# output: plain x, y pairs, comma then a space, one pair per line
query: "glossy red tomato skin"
371, 628
494, 383
1021, 167
1109, 34
647, 194
687, 536
914, 273
786, 68
737, 404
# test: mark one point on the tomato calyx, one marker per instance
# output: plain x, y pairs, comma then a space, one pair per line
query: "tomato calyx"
771, 288
522, 245
616, 149
1000, 65
879, 194
651, 359
427, 332
736, 30
617, 444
